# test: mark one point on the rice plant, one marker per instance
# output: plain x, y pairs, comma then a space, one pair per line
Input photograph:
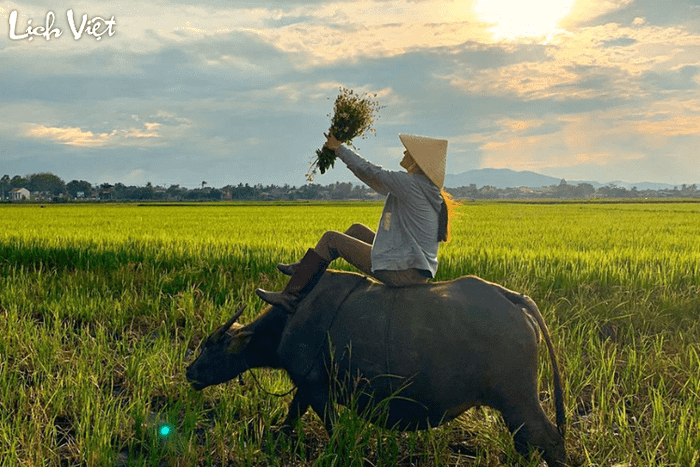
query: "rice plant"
103, 306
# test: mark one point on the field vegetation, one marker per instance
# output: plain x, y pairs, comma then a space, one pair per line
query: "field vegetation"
102, 308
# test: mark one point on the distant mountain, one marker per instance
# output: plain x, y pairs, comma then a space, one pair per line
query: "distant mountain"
506, 178
500, 178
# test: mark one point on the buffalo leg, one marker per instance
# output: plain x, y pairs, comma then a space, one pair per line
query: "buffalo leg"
297, 408
531, 429
319, 401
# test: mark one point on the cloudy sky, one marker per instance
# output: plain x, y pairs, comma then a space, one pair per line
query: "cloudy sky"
178, 92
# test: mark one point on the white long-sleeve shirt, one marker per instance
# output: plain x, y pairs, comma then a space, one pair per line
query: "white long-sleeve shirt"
407, 235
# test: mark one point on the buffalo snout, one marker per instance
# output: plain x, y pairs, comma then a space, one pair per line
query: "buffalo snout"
191, 376
199, 376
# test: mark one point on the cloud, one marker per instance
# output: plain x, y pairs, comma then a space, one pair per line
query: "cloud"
315, 34
151, 131
675, 126
309, 35
71, 136
600, 62
585, 11
136, 176
242, 90
605, 142
318, 35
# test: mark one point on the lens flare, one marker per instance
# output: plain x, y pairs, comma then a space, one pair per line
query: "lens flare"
164, 430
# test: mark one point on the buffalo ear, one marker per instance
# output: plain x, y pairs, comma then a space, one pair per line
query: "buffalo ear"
221, 332
239, 341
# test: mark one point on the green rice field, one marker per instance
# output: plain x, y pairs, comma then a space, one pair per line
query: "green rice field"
102, 307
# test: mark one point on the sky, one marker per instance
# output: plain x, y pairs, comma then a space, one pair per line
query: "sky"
174, 92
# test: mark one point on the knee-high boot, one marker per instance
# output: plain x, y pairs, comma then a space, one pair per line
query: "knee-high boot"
303, 280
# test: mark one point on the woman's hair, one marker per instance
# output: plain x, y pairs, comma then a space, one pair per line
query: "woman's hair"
446, 213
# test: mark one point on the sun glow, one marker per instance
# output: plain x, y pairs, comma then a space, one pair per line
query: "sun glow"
515, 19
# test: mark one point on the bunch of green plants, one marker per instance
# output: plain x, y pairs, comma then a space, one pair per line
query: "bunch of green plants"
353, 116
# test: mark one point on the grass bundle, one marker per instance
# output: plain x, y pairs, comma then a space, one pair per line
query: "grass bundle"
353, 116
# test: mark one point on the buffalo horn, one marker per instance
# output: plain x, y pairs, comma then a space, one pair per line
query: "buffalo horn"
238, 314
222, 330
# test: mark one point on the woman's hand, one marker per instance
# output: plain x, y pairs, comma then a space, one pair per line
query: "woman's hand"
331, 142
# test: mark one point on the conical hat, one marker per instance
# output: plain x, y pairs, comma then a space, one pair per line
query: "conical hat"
430, 154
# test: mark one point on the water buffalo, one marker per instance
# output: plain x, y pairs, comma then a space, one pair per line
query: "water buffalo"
427, 353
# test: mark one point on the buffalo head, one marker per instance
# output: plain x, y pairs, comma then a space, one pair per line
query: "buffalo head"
221, 356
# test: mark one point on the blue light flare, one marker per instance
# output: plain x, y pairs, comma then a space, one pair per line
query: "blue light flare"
164, 430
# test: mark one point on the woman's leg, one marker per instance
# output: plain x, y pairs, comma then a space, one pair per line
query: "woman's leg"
353, 250
361, 232
358, 253
358, 231
309, 270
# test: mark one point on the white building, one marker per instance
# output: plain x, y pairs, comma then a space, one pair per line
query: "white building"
18, 194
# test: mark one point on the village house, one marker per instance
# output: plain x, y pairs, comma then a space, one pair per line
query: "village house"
106, 194
18, 194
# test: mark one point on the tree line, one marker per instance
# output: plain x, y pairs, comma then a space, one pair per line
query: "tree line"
566, 190
47, 186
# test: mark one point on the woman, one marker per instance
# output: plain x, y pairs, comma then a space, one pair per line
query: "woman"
414, 221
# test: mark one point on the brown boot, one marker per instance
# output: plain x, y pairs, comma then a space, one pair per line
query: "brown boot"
303, 280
